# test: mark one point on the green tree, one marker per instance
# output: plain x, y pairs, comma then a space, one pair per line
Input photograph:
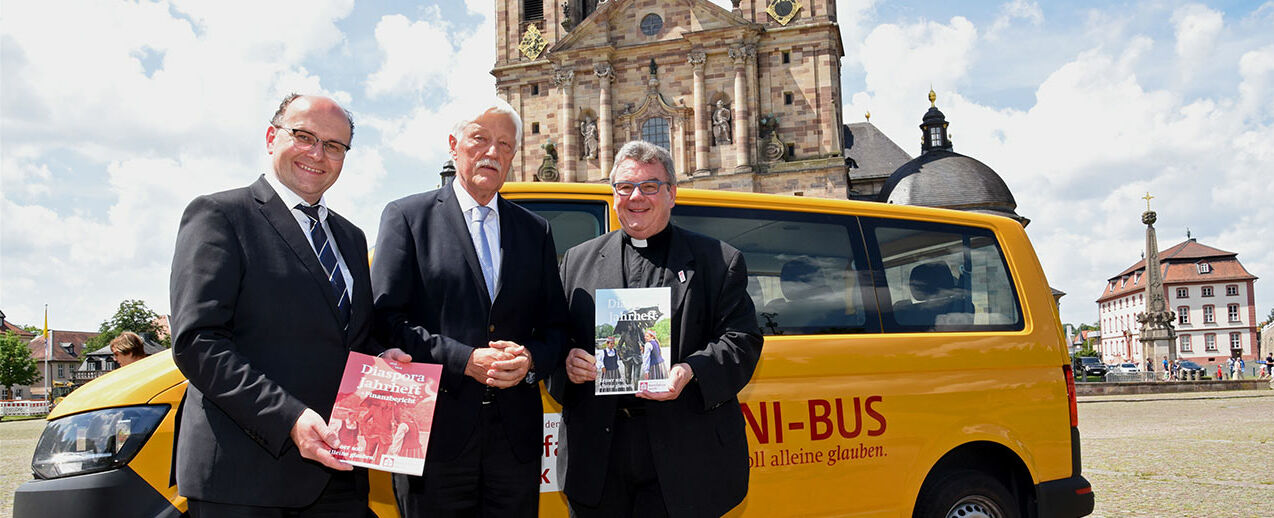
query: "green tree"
17, 367
132, 315
35, 330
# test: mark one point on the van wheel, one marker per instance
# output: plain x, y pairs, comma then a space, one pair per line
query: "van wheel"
965, 493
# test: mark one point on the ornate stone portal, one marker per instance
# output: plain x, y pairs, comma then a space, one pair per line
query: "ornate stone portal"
1158, 338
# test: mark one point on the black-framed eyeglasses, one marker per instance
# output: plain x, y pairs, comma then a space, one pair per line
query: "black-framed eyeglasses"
647, 187
306, 141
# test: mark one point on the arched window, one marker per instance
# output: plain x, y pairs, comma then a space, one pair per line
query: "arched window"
655, 131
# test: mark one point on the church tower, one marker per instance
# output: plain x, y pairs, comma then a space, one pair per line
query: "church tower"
746, 99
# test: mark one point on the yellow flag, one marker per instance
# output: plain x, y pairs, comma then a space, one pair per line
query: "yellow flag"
46, 322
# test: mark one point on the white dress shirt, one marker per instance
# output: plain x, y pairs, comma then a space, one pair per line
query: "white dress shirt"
290, 200
491, 226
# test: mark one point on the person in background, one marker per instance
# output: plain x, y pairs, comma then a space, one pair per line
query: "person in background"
128, 348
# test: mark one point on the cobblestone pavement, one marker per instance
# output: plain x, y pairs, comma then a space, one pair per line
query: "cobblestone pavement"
1205, 454
17, 443
1197, 454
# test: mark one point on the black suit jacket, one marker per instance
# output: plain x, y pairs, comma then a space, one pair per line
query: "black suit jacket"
432, 302
698, 439
256, 332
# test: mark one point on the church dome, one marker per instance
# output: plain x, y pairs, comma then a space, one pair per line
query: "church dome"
942, 178
946, 179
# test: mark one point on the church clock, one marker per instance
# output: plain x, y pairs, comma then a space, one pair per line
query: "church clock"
783, 11
532, 42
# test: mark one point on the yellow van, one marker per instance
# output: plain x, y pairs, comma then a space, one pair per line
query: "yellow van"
914, 365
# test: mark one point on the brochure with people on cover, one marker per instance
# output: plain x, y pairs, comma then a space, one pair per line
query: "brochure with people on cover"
633, 340
383, 413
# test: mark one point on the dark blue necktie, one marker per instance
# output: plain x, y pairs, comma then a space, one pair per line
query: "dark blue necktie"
327, 257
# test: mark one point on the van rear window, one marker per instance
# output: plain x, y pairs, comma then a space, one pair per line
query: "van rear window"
939, 277
806, 272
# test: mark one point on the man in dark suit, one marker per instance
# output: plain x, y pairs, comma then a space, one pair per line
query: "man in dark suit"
466, 279
676, 453
270, 291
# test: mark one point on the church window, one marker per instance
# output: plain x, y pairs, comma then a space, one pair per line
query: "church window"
1183, 315
1231, 290
935, 140
655, 131
651, 24
787, 57
535, 128
787, 97
1209, 314
532, 10
1206, 291
1232, 310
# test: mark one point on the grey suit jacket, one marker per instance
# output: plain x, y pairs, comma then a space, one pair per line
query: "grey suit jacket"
698, 439
256, 332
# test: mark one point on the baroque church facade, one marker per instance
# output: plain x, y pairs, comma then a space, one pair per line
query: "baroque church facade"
747, 99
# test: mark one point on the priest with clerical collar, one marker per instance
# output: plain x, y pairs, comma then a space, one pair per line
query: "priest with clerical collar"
677, 453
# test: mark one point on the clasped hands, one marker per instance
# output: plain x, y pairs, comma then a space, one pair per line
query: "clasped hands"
582, 367
502, 365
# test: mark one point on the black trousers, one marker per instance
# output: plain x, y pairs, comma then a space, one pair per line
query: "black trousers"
345, 496
632, 487
485, 481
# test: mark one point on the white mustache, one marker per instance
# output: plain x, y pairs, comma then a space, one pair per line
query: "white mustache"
488, 162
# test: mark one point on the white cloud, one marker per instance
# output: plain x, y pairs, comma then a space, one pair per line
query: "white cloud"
1096, 138
1016, 10
1196, 27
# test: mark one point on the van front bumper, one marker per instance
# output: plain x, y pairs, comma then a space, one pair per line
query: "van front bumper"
118, 492
1066, 498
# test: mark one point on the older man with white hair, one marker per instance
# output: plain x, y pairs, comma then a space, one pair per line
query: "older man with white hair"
466, 279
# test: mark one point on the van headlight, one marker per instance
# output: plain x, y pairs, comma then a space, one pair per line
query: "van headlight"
94, 441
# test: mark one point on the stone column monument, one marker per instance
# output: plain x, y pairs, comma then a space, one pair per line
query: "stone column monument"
1158, 338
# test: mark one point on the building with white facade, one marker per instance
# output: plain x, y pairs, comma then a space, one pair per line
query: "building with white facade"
1208, 289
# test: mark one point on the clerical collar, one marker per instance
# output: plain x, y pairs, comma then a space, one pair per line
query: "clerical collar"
657, 240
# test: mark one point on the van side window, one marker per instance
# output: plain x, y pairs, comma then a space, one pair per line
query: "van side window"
941, 277
806, 271
572, 222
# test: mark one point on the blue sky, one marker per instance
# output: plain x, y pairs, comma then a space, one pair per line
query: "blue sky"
114, 115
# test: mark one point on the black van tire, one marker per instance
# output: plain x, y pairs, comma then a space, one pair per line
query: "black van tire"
965, 493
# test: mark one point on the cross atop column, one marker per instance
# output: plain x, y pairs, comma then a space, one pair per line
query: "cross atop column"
1147, 197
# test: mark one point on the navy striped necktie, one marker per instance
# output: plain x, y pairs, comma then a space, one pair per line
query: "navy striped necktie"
327, 257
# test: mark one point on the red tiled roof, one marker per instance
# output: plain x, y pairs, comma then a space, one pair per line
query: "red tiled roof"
9, 326
1187, 250
76, 338
1178, 265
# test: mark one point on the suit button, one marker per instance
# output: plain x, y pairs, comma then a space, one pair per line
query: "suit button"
491, 328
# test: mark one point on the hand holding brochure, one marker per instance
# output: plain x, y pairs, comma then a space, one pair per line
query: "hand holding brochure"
633, 340
383, 413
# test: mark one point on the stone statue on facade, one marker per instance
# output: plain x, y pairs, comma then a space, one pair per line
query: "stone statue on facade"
548, 166
588, 129
721, 119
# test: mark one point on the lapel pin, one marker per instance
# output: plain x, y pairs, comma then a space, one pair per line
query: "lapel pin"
681, 274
